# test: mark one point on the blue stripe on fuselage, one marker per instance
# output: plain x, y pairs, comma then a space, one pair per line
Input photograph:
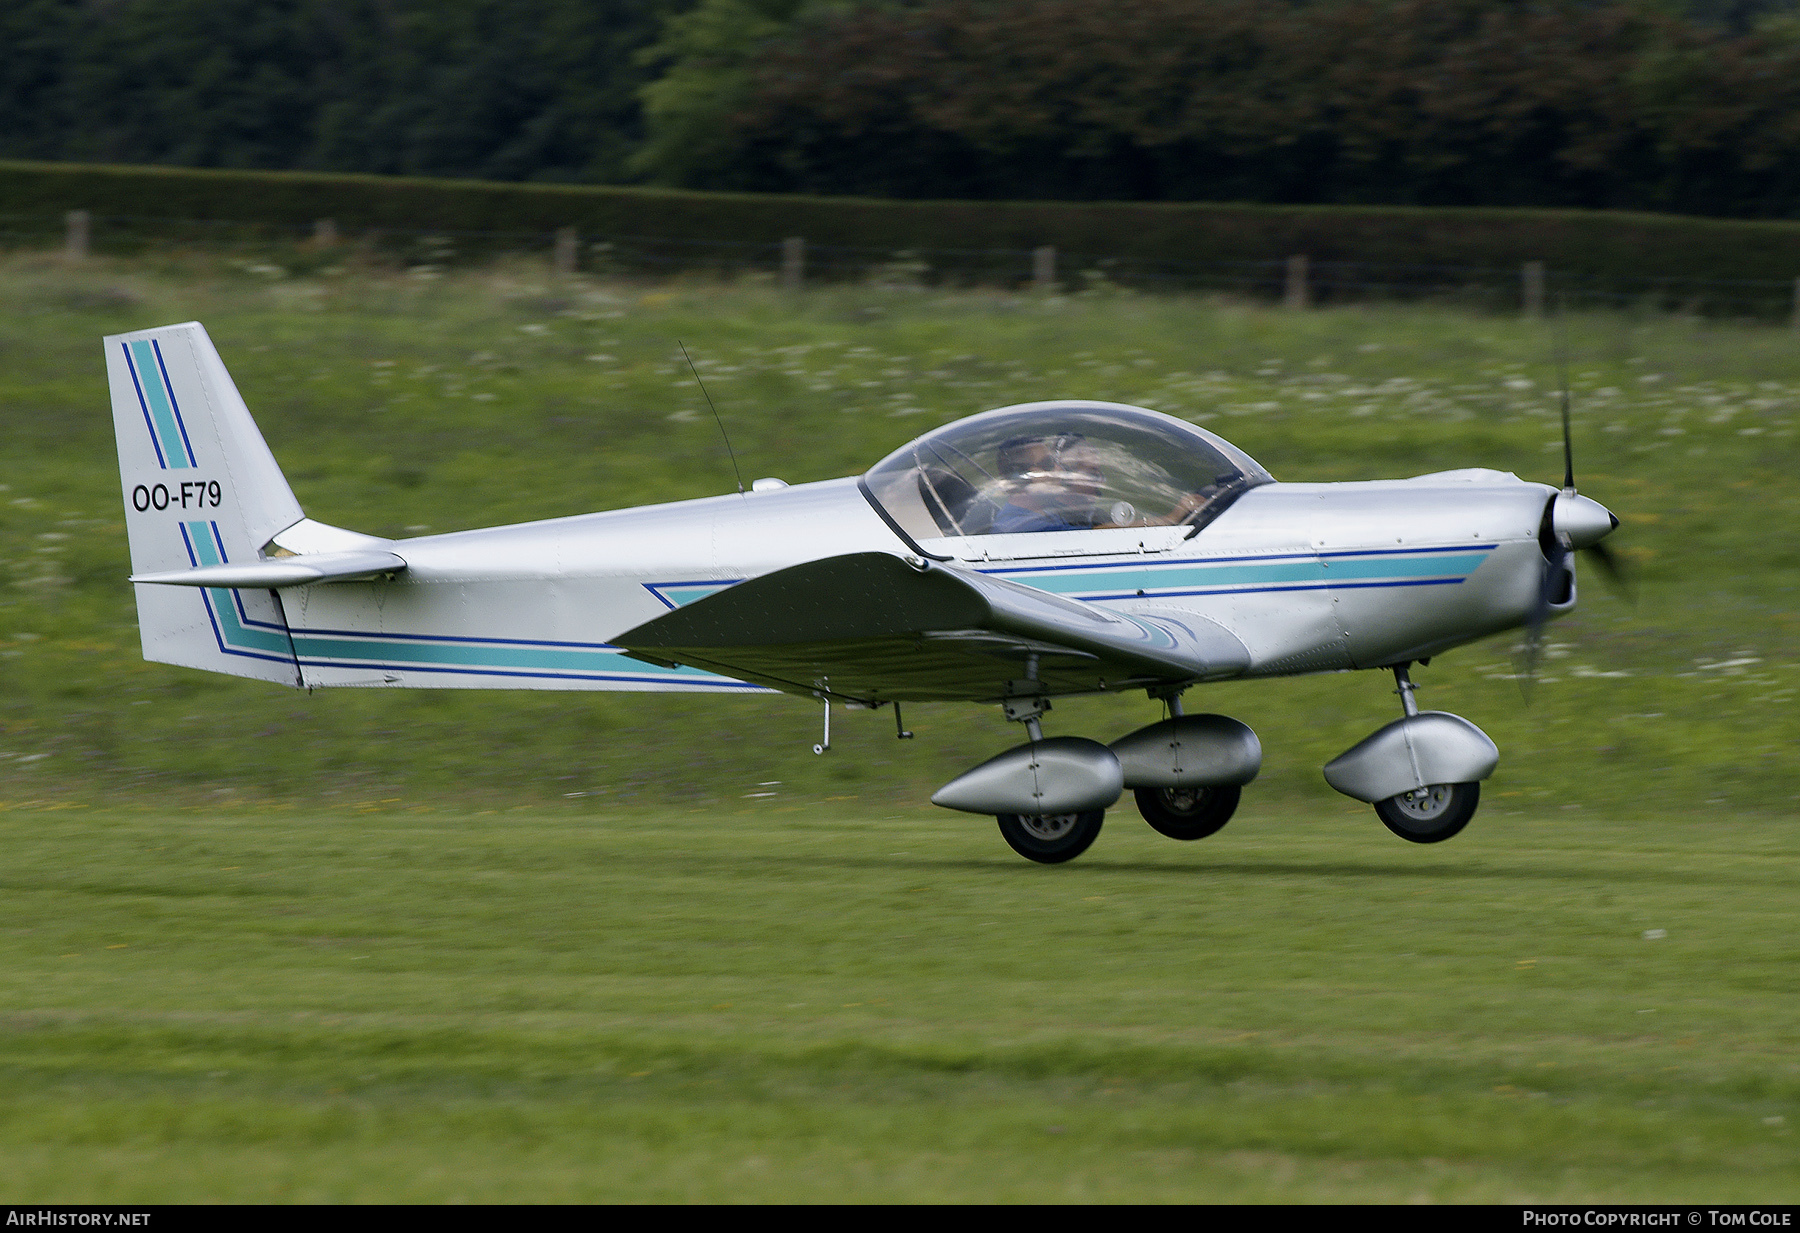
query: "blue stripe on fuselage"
1264, 573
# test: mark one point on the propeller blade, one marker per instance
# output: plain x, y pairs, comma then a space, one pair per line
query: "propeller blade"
1568, 446
1525, 668
1562, 381
1617, 573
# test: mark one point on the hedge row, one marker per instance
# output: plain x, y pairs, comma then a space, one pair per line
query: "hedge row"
1590, 244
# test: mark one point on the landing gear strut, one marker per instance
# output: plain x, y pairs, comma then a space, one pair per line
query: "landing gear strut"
1047, 838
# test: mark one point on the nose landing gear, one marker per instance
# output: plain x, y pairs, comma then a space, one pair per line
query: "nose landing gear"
1430, 814
1422, 773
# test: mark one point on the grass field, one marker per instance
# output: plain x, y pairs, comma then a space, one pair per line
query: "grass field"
257, 944
794, 1003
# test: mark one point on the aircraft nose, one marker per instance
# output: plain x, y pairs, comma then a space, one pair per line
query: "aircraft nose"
1583, 520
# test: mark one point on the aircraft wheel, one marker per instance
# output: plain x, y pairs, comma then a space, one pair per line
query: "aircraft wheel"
1430, 814
1051, 838
1188, 813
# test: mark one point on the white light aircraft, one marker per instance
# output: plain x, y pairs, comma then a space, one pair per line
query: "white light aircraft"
1010, 558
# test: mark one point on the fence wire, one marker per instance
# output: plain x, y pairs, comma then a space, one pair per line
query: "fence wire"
306, 248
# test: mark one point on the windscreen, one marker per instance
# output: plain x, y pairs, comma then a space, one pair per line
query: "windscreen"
1063, 466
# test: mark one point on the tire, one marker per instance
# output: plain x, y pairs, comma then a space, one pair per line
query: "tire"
1430, 814
1188, 813
1050, 839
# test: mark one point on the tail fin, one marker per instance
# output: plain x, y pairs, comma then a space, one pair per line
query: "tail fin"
201, 488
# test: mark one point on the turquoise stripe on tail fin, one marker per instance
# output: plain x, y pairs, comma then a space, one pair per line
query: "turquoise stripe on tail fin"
158, 404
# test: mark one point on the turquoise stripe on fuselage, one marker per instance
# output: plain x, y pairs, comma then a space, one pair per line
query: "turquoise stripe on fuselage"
479, 657
554, 659
471, 655
1263, 573
234, 631
681, 597
162, 411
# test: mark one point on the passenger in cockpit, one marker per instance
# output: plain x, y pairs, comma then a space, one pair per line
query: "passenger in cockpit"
1057, 483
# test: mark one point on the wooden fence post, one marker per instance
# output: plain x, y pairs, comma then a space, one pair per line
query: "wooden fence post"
562, 256
1043, 268
793, 262
1531, 288
75, 242
325, 233
1298, 292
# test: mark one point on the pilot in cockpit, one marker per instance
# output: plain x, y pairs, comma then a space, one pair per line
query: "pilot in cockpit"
1058, 483
1037, 499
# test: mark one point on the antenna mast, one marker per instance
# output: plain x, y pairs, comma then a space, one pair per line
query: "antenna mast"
715, 411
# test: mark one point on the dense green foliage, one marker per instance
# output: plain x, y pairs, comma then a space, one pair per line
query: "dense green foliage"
1442, 102
520, 90
1627, 104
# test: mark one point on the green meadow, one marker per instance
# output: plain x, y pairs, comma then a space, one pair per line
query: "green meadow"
811, 1004
258, 944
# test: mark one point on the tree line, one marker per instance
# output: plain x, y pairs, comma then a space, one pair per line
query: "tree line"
489, 89
1691, 107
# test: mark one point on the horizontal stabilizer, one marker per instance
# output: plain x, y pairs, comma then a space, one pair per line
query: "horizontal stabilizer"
283, 571
872, 627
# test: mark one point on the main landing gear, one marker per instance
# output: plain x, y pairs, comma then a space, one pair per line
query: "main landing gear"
1160, 764
1050, 796
1051, 838
1188, 813
1189, 771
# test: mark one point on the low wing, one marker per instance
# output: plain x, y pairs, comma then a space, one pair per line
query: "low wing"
280, 572
871, 627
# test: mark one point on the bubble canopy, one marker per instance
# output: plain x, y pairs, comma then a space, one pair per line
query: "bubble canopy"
1059, 466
